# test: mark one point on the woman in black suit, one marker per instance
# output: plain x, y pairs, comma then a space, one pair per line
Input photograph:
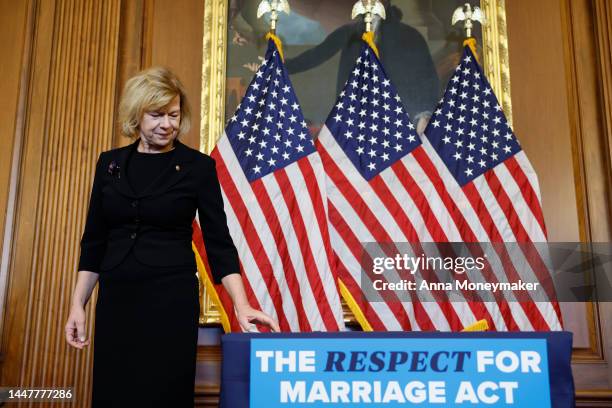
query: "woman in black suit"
137, 247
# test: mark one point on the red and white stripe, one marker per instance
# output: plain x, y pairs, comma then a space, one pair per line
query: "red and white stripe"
399, 205
505, 201
279, 226
417, 200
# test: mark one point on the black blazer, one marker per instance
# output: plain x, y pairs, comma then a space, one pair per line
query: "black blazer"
157, 224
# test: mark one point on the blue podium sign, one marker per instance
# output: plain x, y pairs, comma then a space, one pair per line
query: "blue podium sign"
369, 359
393, 372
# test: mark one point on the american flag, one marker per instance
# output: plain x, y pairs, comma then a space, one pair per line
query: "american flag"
378, 193
273, 187
383, 187
492, 188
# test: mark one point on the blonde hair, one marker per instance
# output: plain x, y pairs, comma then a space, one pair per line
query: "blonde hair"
150, 90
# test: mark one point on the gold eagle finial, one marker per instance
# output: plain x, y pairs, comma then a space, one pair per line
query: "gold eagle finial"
369, 8
273, 7
468, 14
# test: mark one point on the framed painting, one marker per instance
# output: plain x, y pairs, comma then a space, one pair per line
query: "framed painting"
419, 50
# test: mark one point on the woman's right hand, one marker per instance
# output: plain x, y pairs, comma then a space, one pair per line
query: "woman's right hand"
75, 328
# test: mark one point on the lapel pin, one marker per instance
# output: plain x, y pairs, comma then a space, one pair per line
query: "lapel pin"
114, 169
178, 168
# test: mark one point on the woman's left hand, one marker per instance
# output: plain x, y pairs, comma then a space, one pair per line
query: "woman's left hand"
247, 316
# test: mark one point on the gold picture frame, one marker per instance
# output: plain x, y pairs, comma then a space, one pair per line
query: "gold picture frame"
212, 113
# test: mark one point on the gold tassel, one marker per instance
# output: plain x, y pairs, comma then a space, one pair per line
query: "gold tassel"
481, 325
352, 304
210, 290
368, 37
279, 44
471, 42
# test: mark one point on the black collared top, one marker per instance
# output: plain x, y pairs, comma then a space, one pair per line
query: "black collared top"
143, 169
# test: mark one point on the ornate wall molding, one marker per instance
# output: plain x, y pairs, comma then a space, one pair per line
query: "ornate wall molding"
213, 73
495, 48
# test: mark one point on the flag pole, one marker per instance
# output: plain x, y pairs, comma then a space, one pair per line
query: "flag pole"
369, 8
469, 15
274, 7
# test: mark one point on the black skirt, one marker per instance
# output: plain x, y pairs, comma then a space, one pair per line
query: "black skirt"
145, 338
